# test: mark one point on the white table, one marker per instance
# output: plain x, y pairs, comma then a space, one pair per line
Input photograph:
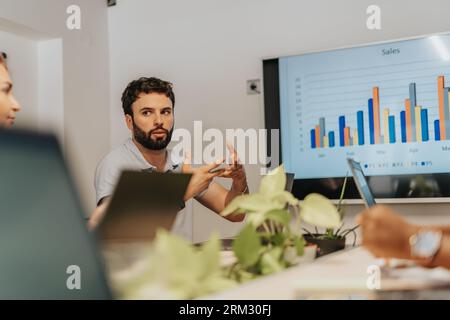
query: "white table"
350, 274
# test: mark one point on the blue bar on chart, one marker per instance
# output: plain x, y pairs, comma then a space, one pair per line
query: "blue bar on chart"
341, 131
331, 139
403, 125
424, 124
322, 131
391, 129
313, 138
413, 103
437, 130
360, 120
371, 122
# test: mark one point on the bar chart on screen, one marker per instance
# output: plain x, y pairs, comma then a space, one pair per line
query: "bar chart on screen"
414, 122
386, 105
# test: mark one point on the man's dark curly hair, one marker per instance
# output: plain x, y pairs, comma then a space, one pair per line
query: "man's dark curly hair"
145, 85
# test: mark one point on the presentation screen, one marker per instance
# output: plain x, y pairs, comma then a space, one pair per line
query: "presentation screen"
385, 105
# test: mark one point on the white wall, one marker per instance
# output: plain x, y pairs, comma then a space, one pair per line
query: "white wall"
208, 49
85, 84
51, 87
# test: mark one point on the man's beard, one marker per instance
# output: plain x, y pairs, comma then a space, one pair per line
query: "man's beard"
145, 138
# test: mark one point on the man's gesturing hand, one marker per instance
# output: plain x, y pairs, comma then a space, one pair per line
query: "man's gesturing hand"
235, 171
201, 177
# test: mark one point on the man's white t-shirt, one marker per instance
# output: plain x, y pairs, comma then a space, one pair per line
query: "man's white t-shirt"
128, 157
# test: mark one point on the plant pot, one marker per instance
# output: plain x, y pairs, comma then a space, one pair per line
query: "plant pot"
325, 246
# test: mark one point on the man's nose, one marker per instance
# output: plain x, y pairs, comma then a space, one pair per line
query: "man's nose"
158, 119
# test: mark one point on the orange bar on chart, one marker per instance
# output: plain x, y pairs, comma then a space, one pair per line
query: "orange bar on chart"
318, 137
376, 114
408, 120
347, 136
441, 106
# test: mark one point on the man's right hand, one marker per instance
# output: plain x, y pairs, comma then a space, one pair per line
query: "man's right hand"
201, 177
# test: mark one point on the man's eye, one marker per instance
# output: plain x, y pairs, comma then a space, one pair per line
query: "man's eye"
146, 113
167, 112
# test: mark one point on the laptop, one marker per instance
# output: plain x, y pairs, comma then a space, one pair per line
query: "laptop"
46, 249
142, 203
361, 183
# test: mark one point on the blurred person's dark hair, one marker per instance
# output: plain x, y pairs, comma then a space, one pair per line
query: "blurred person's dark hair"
145, 85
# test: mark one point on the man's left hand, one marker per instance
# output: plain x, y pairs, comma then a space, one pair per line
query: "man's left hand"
235, 171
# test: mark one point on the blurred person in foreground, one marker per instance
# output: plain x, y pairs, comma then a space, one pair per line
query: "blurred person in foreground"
8, 104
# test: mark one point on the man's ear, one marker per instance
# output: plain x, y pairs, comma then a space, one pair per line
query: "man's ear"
129, 121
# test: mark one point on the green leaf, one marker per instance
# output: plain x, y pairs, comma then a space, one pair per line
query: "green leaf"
178, 263
270, 261
210, 256
299, 243
319, 211
174, 269
278, 239
252, 202
244, 276
259, 203
273, 182
281, 216
233, 206
256, 218
175, 275
285, 197
173, 250
247, 246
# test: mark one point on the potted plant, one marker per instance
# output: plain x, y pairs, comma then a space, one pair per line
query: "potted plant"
332, 239
272, 237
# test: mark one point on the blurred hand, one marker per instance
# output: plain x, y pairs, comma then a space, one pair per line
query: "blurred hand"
385, 233
98, 214
201, 177
235, 171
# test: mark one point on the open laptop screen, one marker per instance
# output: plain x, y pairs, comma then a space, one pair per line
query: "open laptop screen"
361, 183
